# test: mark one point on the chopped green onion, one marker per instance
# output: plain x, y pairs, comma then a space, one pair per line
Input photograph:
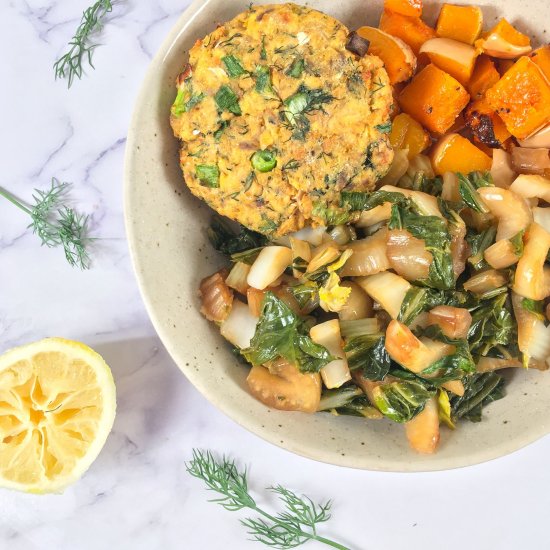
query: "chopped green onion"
296, 68
264, 160
227, 100
233, 66
208, 175
263, 81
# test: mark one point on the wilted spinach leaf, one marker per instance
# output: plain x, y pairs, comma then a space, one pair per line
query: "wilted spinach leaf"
450, 367
282, 333
467, 187
433, 231
492, 324
357, 200
369, 354
402, 401
479, 242
480, 390
226, 240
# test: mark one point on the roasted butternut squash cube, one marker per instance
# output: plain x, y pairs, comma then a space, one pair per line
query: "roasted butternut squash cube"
412, 30
407, 133
399, 60
462, 23
522, 98
412, 8
454, 153
484, 76
434, 98
503, 65
541, 57
486, 126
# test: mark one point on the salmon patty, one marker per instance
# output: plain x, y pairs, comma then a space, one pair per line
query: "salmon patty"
276, 118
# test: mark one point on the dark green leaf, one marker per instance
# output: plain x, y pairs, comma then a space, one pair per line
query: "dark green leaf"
268, 225
468, 191
263, 81
220, 130
306, 294
415, 302
292, 164
233, 66
433, 231
304, 102
480, 390
534, 306
517, 243
479, 243
369, 354
228, 241
492, 324
348, 400
384, 128
402, 401
186, 99
420, 299
246, 256
357, 200
263, 51
282, 333
296, 68
450, 367
208, 174
330, 215
227, 100
339, 397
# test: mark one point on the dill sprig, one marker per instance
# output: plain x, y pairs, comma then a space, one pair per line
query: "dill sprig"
70, 65
55, 224
295, 526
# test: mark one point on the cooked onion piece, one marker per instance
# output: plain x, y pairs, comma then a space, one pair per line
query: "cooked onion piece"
532, 278
269, 266
369, 256
530, 161
513, 213
216, 297
408, 255
483, 282
375, 215
358, 305
502, 171
281, 385
388, 289
501, 254
328, 335
240, 325
454, 322
423, 430
532, 186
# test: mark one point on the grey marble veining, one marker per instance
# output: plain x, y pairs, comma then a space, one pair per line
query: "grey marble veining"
137, 495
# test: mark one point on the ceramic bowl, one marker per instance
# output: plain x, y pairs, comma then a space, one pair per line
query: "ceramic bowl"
166, 232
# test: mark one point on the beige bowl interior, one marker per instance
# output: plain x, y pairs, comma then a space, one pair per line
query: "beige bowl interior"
166, 231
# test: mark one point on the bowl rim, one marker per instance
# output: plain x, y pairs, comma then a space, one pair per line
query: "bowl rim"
478, 456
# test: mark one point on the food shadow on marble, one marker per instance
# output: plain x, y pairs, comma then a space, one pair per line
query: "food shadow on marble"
151, 393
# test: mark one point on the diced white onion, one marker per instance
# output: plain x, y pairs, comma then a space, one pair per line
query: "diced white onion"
269, 266
388, 289
240, 325
328, 335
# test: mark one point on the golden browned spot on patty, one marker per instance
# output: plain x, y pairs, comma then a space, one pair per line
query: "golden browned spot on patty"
276, 118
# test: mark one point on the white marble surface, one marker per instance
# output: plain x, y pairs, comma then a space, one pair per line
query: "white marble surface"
137, 494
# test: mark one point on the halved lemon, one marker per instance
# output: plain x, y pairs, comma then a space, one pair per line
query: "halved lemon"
57, 407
